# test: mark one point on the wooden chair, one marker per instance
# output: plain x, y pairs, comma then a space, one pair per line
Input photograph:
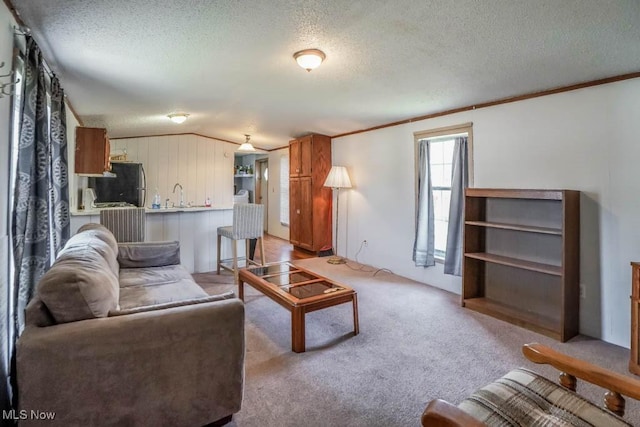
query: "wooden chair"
500, 403
248, 223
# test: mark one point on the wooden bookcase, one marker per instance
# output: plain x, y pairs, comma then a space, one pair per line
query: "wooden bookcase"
522, 258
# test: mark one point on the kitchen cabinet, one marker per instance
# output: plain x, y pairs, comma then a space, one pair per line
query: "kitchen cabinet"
522, 258
301, 154
92, 151
310, 203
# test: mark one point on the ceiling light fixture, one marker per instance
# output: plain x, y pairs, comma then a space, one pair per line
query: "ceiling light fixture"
246, 146
309, 58
178, 117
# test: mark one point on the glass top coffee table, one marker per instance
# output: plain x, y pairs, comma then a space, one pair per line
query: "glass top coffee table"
300, 291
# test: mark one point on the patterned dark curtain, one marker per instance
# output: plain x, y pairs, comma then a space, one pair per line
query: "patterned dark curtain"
30, 225
58, 167
41, 204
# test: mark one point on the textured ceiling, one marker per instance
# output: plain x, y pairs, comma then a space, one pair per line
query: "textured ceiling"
126, 64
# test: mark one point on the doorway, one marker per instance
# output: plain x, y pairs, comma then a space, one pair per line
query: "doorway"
262, 188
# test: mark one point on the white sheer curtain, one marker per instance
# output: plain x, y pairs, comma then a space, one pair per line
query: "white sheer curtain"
424, 244
459, 181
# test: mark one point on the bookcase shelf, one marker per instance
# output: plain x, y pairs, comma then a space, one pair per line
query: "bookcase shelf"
516, 227
518, 263
541, 324
521, 258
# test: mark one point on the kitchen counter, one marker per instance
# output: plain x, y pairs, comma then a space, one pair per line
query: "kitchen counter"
195, 228
95, 211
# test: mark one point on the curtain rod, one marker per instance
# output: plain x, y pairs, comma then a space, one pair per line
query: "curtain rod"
26, 31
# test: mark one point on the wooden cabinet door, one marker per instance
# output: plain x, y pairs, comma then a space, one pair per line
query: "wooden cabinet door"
305, 224
92, 151
306, 159
294, 158
294, 211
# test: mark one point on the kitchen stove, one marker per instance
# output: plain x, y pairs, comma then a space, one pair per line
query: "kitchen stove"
113, 205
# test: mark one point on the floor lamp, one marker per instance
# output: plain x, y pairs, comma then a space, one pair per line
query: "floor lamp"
338, 178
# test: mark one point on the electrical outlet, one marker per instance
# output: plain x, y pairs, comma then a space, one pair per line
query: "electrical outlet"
583, 292
365, 243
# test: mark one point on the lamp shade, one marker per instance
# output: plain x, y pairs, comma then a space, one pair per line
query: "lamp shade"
178, 117
338, 178
246, 146
309, 58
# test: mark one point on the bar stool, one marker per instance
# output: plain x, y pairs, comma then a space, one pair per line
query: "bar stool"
248, 223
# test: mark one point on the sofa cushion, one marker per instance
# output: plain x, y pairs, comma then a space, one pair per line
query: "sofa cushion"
37, 314
159, 293
210, 298
81, 284
522, 397
152, 275
94, 234
148, 254
101, 232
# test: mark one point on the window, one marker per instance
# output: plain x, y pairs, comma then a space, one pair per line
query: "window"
441, 157
284, 190
442, 143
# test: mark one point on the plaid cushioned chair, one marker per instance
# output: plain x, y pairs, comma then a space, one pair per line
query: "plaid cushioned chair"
248, 223
524, 398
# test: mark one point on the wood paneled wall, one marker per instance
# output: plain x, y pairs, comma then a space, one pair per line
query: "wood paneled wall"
204, 167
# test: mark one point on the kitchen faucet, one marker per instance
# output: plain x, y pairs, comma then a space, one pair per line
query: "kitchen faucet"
181, 194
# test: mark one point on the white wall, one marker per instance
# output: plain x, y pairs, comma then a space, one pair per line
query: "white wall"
203, 166
275, 227
75, 181
585, 140
6, 56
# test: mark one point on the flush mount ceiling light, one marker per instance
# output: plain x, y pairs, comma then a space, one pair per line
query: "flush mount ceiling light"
309, 58
178, 117
246, 146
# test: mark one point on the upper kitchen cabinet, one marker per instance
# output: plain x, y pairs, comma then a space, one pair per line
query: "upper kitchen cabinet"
92, 151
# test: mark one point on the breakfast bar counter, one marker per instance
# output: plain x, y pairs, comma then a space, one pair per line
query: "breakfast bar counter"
194, 227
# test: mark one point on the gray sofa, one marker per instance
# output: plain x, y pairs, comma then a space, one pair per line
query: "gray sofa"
121, 335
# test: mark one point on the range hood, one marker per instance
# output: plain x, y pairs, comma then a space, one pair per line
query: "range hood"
105, 174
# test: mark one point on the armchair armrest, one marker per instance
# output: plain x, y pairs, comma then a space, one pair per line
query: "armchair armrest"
572, 368
148, 254
541, 354
178, 366
440, 413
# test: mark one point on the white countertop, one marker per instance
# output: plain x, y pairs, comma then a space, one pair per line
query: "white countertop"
157, 211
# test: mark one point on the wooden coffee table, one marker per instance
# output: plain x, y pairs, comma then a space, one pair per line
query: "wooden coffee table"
300, 291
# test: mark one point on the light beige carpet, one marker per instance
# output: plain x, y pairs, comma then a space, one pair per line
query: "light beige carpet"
415, 344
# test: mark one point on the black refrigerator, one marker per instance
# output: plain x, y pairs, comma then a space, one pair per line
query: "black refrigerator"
128, 185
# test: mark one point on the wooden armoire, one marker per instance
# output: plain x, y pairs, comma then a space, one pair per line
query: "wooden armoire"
310, 206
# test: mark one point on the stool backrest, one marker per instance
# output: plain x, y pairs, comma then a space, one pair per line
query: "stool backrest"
248, 221
127, 225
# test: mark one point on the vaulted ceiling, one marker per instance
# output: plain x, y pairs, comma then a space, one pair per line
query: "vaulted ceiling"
126, 64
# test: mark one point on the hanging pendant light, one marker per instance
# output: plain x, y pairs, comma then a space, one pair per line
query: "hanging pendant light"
246, 146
